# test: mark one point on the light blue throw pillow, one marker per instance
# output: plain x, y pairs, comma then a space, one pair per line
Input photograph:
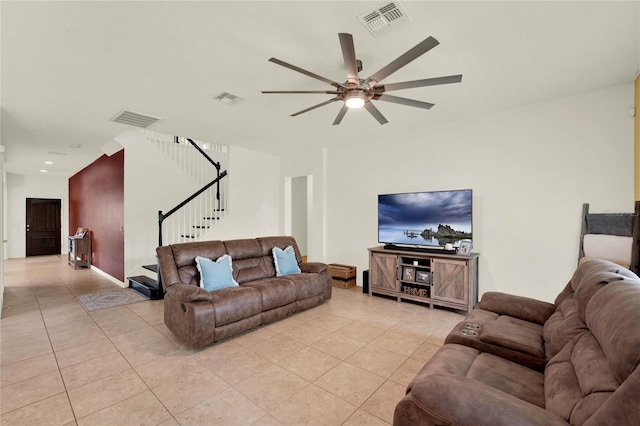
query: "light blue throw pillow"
215, 275
285, 261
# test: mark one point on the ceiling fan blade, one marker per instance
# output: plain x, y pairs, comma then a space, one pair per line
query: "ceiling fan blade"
403, 101
305, 72
421, 48
421, 83
316, 106
374, 111
341, 114
325, 92
349, 56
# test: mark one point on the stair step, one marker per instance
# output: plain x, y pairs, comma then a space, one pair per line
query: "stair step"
211, 218
146, 286
153, 268
188, 236
201, 226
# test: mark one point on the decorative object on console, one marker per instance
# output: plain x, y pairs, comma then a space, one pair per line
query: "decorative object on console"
285, 261
423, 277
81, 232
215, 275
408, 274
357, 93
465, 247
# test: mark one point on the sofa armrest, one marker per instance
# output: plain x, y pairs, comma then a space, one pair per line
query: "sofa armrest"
462, 401
520, 307
188, 293
313, 267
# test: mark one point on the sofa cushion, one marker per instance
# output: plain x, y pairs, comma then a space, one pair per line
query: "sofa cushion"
613, 316
184, 256
513, 336
590, 285
285, 261
306, 285
581, 379
506, 376
527, 309
504, 336
248, 262
268, 243
275, 291
217, 274
578, 380
562, 326
233, 304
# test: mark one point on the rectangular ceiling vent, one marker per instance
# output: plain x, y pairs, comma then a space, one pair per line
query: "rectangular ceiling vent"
228, 98
137, 119
384, 17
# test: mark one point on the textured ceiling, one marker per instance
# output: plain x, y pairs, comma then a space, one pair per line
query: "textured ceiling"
69, 67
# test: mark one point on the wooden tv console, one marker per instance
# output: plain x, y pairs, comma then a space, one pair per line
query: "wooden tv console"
436, 279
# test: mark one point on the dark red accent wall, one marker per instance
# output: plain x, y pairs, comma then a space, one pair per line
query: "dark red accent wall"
96, 201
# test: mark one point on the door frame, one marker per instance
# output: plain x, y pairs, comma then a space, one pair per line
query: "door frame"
289, 213
26, 229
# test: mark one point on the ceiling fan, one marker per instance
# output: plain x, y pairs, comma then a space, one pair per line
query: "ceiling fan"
357, 92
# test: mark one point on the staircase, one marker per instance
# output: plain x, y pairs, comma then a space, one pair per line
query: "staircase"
147, 286
200, 212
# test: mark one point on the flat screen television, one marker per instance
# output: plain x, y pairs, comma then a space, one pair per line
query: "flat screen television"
425, 219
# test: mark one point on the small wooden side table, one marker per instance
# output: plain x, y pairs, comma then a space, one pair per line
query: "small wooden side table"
80, 252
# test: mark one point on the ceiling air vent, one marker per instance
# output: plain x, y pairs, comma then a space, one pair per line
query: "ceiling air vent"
228, 98
135, 119
383, 17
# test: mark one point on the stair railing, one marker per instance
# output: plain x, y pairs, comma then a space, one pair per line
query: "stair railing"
198, 210
182, 153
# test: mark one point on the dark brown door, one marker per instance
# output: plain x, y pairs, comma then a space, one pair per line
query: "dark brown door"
43, 226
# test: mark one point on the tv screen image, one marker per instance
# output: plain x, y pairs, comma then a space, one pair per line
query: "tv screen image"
432, 218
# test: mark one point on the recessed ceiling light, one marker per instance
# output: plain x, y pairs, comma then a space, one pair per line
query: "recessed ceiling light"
75, 145
57, 153
43, 171
48, 162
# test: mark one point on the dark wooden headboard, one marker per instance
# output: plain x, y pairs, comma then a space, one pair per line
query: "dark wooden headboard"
620, 224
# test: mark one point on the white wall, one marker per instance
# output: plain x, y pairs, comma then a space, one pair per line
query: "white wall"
530, 168
309, 160
21, 187
153, 182
255, 197
299, 213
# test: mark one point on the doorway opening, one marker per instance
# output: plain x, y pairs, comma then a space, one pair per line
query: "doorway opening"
298, 200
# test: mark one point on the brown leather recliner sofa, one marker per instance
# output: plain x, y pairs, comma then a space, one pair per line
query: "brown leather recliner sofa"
520, 361
199, 317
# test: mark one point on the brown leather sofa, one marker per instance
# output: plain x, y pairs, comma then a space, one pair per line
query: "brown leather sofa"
520, 361
199, 317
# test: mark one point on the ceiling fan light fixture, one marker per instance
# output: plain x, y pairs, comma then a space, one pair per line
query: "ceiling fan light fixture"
355, 100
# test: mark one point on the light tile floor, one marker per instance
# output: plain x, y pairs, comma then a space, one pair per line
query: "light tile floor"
346, 361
